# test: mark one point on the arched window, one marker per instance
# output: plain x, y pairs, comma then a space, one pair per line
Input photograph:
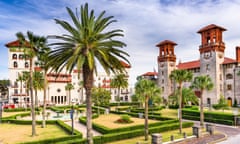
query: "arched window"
20, 56
15, 64
26, 65
14, 56
229, 76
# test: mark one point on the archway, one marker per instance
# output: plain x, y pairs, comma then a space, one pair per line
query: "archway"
229, 100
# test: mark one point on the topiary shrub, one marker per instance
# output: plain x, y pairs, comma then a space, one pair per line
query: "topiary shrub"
125, 119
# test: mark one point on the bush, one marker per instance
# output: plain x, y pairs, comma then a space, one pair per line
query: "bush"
124, 119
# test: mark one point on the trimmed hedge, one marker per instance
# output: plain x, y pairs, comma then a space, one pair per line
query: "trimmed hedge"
215, 117
129, 134
104, 130
124, 104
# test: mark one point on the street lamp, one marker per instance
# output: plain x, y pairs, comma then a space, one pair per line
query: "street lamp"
72, 117
235, 114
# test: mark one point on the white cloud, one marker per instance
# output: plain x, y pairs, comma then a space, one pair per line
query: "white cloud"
145, 23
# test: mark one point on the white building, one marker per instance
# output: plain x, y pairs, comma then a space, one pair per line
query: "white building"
56, 93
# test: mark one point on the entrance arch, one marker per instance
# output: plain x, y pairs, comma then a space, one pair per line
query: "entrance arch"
229, 100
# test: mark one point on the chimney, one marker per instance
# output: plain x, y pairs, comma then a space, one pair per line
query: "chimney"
238, 54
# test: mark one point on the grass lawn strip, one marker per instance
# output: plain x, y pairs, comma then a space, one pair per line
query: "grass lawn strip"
7, 114
13, 133
165, 136
109, 121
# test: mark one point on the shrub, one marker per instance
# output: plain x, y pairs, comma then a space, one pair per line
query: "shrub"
124, 119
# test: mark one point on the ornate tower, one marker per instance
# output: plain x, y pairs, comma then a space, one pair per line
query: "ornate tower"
211, 57
166, 64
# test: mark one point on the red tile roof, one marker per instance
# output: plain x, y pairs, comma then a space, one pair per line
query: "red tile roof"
150, 74
211, 26
189, 65
166, 42
229, 60
196, 63
16, 43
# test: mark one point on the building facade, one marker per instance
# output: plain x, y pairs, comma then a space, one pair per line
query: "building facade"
56, 92
212, 62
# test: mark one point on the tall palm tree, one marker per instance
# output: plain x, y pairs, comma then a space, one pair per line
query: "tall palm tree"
43, 58
21, 78
119, 81
38, 84
202, 83
68, 88
146, 89
188, 95
30, 43
180, 76
86, 42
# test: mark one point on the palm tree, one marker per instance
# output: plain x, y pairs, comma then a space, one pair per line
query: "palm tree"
146, 89
21, 78
30, 43
86, 42
202, 83
43, 59
188, 95
68, 88
180, 76
38, 84
119, 81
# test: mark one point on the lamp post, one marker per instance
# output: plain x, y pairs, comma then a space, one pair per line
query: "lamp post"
235, 114
72, 117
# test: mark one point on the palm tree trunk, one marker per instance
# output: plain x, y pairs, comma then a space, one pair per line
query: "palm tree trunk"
32, 101
180, 109
21, 99
146, 119
44, 101
118, 98
88, 84
201, 111
36, 98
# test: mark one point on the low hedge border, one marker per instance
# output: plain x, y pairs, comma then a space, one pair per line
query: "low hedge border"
129, 134
215, 117
156, 117
65, 127
104, 130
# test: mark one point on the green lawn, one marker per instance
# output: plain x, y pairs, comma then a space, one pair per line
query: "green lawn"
107, 120
7, 114
170, 113
13, 133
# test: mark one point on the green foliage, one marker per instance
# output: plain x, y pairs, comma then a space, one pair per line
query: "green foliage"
215, 117
222, 104
101, 96
187, 96
111, 137
124, 119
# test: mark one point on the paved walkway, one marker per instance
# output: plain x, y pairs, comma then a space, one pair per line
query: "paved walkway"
66, 118
232, 133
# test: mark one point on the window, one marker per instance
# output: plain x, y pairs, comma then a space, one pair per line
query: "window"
15, 65
20, 56
162, 81
14, 56
229, 76
162, 89
26, 65
229, 87
207, 67
162, 73
58, 90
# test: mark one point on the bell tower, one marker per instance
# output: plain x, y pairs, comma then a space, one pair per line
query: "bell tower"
166, 64
211, 57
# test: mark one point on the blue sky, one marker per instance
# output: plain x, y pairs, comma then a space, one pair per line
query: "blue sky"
145, 23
